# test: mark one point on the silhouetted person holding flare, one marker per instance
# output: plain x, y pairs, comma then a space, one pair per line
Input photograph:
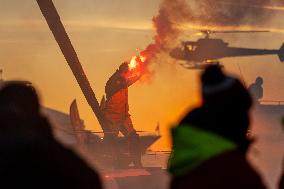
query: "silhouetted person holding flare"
116, 110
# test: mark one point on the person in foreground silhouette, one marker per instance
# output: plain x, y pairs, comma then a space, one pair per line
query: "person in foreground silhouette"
30, 157
210, 142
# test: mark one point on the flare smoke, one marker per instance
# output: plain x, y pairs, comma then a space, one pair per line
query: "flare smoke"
174, 15
235, 13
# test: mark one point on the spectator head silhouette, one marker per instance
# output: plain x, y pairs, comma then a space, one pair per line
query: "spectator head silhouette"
20, 108
228, 102
26, 142
20, 99
210, 143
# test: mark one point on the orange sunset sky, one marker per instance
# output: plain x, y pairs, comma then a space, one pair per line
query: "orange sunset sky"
105, 33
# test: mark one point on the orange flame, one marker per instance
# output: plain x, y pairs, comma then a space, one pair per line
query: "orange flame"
142, 58
135, 61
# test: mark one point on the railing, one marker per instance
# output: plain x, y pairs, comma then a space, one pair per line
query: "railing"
272, 102
154, 153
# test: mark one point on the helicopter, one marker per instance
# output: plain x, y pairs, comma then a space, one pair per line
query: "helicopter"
207, 51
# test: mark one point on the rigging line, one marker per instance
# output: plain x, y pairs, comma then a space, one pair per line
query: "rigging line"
241, 73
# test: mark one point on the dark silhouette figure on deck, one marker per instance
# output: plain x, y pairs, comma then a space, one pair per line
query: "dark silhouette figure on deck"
256, 89
30, 157
210, 143
116, 111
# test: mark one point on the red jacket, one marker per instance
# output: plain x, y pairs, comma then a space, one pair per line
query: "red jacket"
117, 96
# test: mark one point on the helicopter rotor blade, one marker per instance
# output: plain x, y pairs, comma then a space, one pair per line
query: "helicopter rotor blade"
209, 32
240, 31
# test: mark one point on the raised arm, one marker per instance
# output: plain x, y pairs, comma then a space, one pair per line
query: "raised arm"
133, 78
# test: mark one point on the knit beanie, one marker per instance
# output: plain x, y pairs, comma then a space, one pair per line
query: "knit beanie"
227, 103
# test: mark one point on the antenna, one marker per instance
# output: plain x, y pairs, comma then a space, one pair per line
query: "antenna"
242, 76
208, 32
240, 31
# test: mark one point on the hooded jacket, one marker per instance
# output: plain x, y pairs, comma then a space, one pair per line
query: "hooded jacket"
203, 158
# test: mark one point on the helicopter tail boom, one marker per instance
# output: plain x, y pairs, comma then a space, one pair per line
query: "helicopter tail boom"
281, 53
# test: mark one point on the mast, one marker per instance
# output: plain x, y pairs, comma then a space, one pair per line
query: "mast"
53, 20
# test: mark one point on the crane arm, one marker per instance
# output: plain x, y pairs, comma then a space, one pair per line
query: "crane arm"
53, 20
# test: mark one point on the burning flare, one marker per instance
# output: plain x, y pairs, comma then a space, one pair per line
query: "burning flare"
136, 66
136, 61
133, 63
